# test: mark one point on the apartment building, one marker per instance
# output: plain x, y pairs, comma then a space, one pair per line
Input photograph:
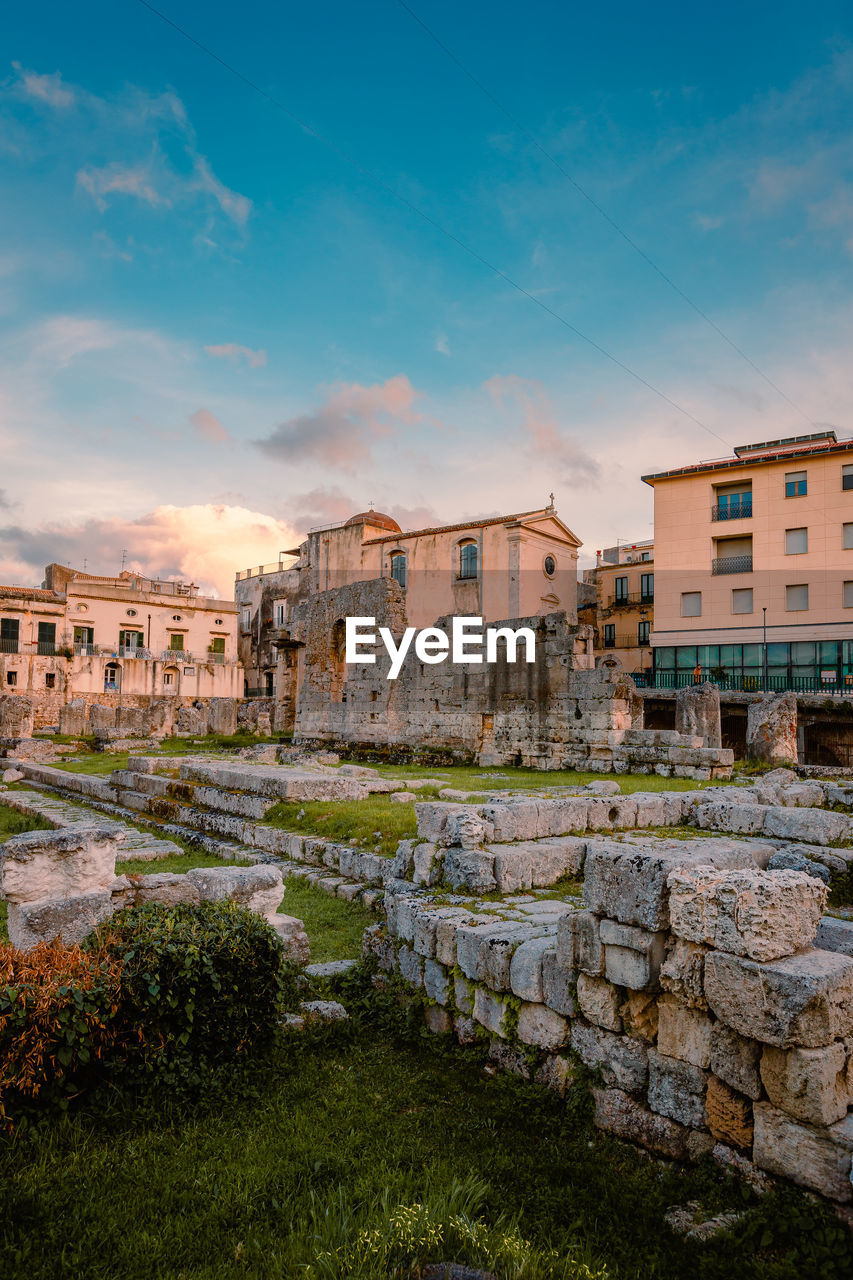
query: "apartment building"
623, 610
754, 567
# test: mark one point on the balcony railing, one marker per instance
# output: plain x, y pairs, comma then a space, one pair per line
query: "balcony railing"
8, 646
46, 648
731, 564
86, 650
133, 651
732, 510
839, 686
635, 598
176, 655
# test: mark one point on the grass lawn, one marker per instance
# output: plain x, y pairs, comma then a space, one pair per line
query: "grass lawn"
374, 823
331, 1139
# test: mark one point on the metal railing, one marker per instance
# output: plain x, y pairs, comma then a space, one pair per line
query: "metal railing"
46, 648
8, 646
839, 686
86, 650
259, 570
176, 655
732, 510
731, 564
133, 651
634, 598
213, 655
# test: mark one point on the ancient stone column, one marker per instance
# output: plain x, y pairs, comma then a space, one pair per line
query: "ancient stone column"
697, 713
771, 729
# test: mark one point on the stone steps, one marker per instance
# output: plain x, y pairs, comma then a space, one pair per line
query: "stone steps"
58, 812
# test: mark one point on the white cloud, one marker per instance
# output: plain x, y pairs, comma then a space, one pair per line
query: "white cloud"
442, 344
234, 353
44, 88
120, 179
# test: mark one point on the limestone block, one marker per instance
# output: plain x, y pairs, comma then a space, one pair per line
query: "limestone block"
683, 973
291, 930
835, 935
677, 1090
402, 797
427, 863
735, 1059
410, 966
58, 864
11, 775
536, 863
599, 1002
471, 869
622, 1061
683, 1032
793, 860
259, 888
438, 1020
639, 1015
809, 1084
812, 826
632, 956
541, 1026
558, 983
729, 1114
806, 999
747, 819
466, 1029
463, 994
72, 718
616, 1112
490, 1011
403, 862
697, 713
760, 914
771, 729
525, 971
507, 1058
426, 927
818, 1159
17, 715
579, 944
71, 918
556, 1074
166, 887
222, 715
495, 952
436, 982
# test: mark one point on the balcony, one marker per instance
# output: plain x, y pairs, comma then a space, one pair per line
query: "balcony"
635, 599
86, 650
8, 646
176, 655
46, 648
731, 564
733, 510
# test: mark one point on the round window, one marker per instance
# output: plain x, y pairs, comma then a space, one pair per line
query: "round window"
550, 566
218, 622
131, 613
176, 617
82, 608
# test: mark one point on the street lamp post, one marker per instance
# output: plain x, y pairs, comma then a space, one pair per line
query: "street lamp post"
764, 652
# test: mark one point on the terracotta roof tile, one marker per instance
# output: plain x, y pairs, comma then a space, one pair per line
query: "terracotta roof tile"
31, 593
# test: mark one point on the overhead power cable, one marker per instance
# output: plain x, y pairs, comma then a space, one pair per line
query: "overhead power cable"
426, 217
620, 231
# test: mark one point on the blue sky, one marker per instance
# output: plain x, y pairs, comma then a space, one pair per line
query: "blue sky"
215, 332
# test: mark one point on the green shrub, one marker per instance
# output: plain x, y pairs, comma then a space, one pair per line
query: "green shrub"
199, 985
57, 1025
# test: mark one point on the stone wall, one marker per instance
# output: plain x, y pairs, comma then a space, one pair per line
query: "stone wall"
556, 712
686, 978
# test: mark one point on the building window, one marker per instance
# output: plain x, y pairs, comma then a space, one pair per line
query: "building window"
50, 680
11, 678
131, 613
620, 590
168, 677
176, 643
247, 619
645, 555
269, 683
280, 613
468, 560
796, 542
398, 567
550, 566
847, 530
643, 630
647, 588
610, 635
797, 598
732, 502
847, 477
128, 639
217, 648
848, 595
691, 604
112, 677
742, 600
795, 484
218, 622
9, 629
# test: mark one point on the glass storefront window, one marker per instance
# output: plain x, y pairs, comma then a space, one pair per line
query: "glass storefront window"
802, 651
777, 654
685, 657
753, 655
665, 658
828, 653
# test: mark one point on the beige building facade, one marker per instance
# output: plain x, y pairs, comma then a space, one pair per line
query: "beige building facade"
754, 567
623, 611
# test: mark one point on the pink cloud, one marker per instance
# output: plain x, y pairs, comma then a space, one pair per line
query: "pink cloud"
208, 426
546, 439
47, 88
234, 353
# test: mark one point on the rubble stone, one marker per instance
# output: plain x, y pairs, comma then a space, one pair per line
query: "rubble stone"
771, 729
617, 1112
72, 919
622, 1061
735, 1059
697, 713
579, 944
632, 956
58, 864
683, 973
541, 1026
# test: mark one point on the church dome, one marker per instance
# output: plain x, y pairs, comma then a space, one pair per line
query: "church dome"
377, 520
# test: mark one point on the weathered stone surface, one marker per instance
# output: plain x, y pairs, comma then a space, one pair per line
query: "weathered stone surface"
683, 973
410, 966
558, 983
617, 1112
507, 1058
525, 972
556, 1073
72, 919
771, 729
536, 863
735, 1059
11, 775
436, 982
402, 797
818, 1159
259, 888
622, 1061
632, 956
463, 994
323, 1011
761, 914
697, 713
58, 864
599, 1002
578, 943
809, 1084
166, 887
835, 935
471, 869
490, 1011
677, 1090
541, 1026
291, 930
729, 1114
792, 860
683, 1032
640, 1015
806, 999
813, 826
484, 951
439, 1021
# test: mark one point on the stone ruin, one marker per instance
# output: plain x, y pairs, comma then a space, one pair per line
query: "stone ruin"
62, 883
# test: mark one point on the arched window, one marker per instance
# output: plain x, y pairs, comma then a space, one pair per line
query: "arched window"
398, 566
112, 677
468, 560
